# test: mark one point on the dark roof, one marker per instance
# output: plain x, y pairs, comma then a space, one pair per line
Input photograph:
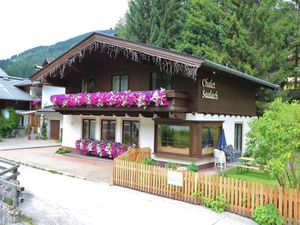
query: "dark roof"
8, 90
180, 61
237, 73
49, 108
25, 82
47, 61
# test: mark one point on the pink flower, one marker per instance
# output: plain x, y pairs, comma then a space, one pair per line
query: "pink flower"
131, 99
102, 148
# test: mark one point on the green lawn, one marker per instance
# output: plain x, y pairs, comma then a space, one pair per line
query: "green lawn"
252, 175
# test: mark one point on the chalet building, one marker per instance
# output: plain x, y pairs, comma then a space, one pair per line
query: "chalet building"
201, 98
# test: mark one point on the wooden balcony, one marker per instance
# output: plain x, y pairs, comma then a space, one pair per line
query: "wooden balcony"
178, 103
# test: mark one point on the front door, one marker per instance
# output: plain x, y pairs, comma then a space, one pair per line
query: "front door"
54, 129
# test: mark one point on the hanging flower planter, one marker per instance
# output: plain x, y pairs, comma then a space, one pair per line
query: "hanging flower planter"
127, 99
103, 149
36, 102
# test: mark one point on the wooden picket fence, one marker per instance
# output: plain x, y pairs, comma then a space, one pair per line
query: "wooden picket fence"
242, 196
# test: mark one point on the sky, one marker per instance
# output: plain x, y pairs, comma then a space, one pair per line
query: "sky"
29, 23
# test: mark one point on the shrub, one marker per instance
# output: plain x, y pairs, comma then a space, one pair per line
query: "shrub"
192, 167
8, 125
267, 215
44, 130
148, 161
62, 151
171, 165
218, 204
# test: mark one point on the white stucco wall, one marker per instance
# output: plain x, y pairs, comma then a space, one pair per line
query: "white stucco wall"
72, 129
48, 91
228, 125
147, 127
35, 91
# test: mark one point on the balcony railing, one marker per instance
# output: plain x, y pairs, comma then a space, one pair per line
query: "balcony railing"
158, 101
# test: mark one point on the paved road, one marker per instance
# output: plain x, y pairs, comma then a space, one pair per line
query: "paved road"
91, 169
23, 142
57, 199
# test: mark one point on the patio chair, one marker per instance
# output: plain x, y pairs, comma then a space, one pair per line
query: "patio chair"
228, 154
216, 156
235, 152
220, 159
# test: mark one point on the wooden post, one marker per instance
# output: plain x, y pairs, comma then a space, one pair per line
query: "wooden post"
28, 128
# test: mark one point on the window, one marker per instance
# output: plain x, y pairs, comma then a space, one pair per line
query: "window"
120, 83
173, 138
131, 132
161, 80
108, 130
210, 138
87, 85
238, 136
88, 128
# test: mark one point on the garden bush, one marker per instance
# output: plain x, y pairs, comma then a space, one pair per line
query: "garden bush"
8, 125
62, 151
218, 204
171, 165
192, 167
148, 161
44, 130
267, 215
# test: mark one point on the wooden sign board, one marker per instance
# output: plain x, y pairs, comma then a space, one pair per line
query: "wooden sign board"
175, 178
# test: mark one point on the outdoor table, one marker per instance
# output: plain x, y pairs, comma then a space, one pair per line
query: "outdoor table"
247, 164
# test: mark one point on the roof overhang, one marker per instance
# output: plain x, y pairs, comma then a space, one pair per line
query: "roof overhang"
166, 60
237, 73
26, 112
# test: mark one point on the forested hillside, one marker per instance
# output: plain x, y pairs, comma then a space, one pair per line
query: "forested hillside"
261, 38
22, 65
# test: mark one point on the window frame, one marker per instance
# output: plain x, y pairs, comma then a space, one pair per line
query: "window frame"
87, 80
109, 126
196, 131
241, 138
160, 75
89, 128
131, 121
120, 79
174, 124
215, 124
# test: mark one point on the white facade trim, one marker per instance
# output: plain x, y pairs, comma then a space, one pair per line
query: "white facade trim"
72, 129
229, 122
72, 125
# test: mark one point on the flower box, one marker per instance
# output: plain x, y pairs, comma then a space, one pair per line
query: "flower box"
103, 149
127, 99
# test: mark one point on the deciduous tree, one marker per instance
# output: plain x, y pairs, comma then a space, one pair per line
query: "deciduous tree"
274, 141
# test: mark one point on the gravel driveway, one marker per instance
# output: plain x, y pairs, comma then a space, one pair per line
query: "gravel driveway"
57, 199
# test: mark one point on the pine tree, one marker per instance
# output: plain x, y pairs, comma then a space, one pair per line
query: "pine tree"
155, 22
251, 36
